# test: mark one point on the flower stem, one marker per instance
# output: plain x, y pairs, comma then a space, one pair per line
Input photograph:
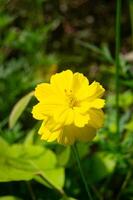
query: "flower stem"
75, 151
117, 61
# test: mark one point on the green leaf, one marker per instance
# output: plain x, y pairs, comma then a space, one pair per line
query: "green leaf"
126, 99
67, 198
3, 146
47, 164
101, 165
129, 125
5, 20
29, 139
9, 198
64, 156
24, 162
13, 172
56, 176
128, 83
18, 109
107, 53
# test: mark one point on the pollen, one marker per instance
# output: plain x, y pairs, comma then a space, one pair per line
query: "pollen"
70, 98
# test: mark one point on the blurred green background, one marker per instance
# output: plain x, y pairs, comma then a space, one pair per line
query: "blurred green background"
37, 39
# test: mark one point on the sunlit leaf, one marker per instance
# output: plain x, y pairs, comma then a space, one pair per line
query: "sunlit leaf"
63, 156
18, 109
9, 198
24, 162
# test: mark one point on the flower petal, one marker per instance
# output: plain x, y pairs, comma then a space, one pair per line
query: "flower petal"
80, 86
73, 133
54, 136
64, 115
98, 103
80, 120
49, 132
37, 112
42, 91
85, 134
46, 94
96, 118
62, 81
95, 90
66, 138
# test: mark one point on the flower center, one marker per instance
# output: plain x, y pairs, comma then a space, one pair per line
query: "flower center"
70, 98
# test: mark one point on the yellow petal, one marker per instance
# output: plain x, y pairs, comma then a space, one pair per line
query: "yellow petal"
42, 91
70, 117
49, 130
66, 138
54, 136
38, 113
42, 128
64, 115
95, 90
60, 114
46, 134
86, 133
80, 120
74, 133
96, 118
97, 103
83, 107
46, 94
80, 86
62, 81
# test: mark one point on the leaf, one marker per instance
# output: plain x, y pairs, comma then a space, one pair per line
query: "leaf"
129, 125
3, 143
83, 149
18, 109
13, 172
14, 168
47, 165
101, 165
30, 137
3, 146
107, 53
56, 176
126, 99
128, 83
5, 20
9, 198
67, 198
24, 162
64, 156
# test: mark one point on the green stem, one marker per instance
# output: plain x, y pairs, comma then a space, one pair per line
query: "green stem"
30, 190
117, 61
42, 175
131, 18
128, 176
75, 150
58, 190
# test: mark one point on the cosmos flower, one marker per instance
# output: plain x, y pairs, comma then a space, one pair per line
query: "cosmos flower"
70, 108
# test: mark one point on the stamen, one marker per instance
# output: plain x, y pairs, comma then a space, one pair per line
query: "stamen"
70, 98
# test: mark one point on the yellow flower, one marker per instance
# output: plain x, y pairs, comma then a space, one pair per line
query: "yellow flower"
70, 108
